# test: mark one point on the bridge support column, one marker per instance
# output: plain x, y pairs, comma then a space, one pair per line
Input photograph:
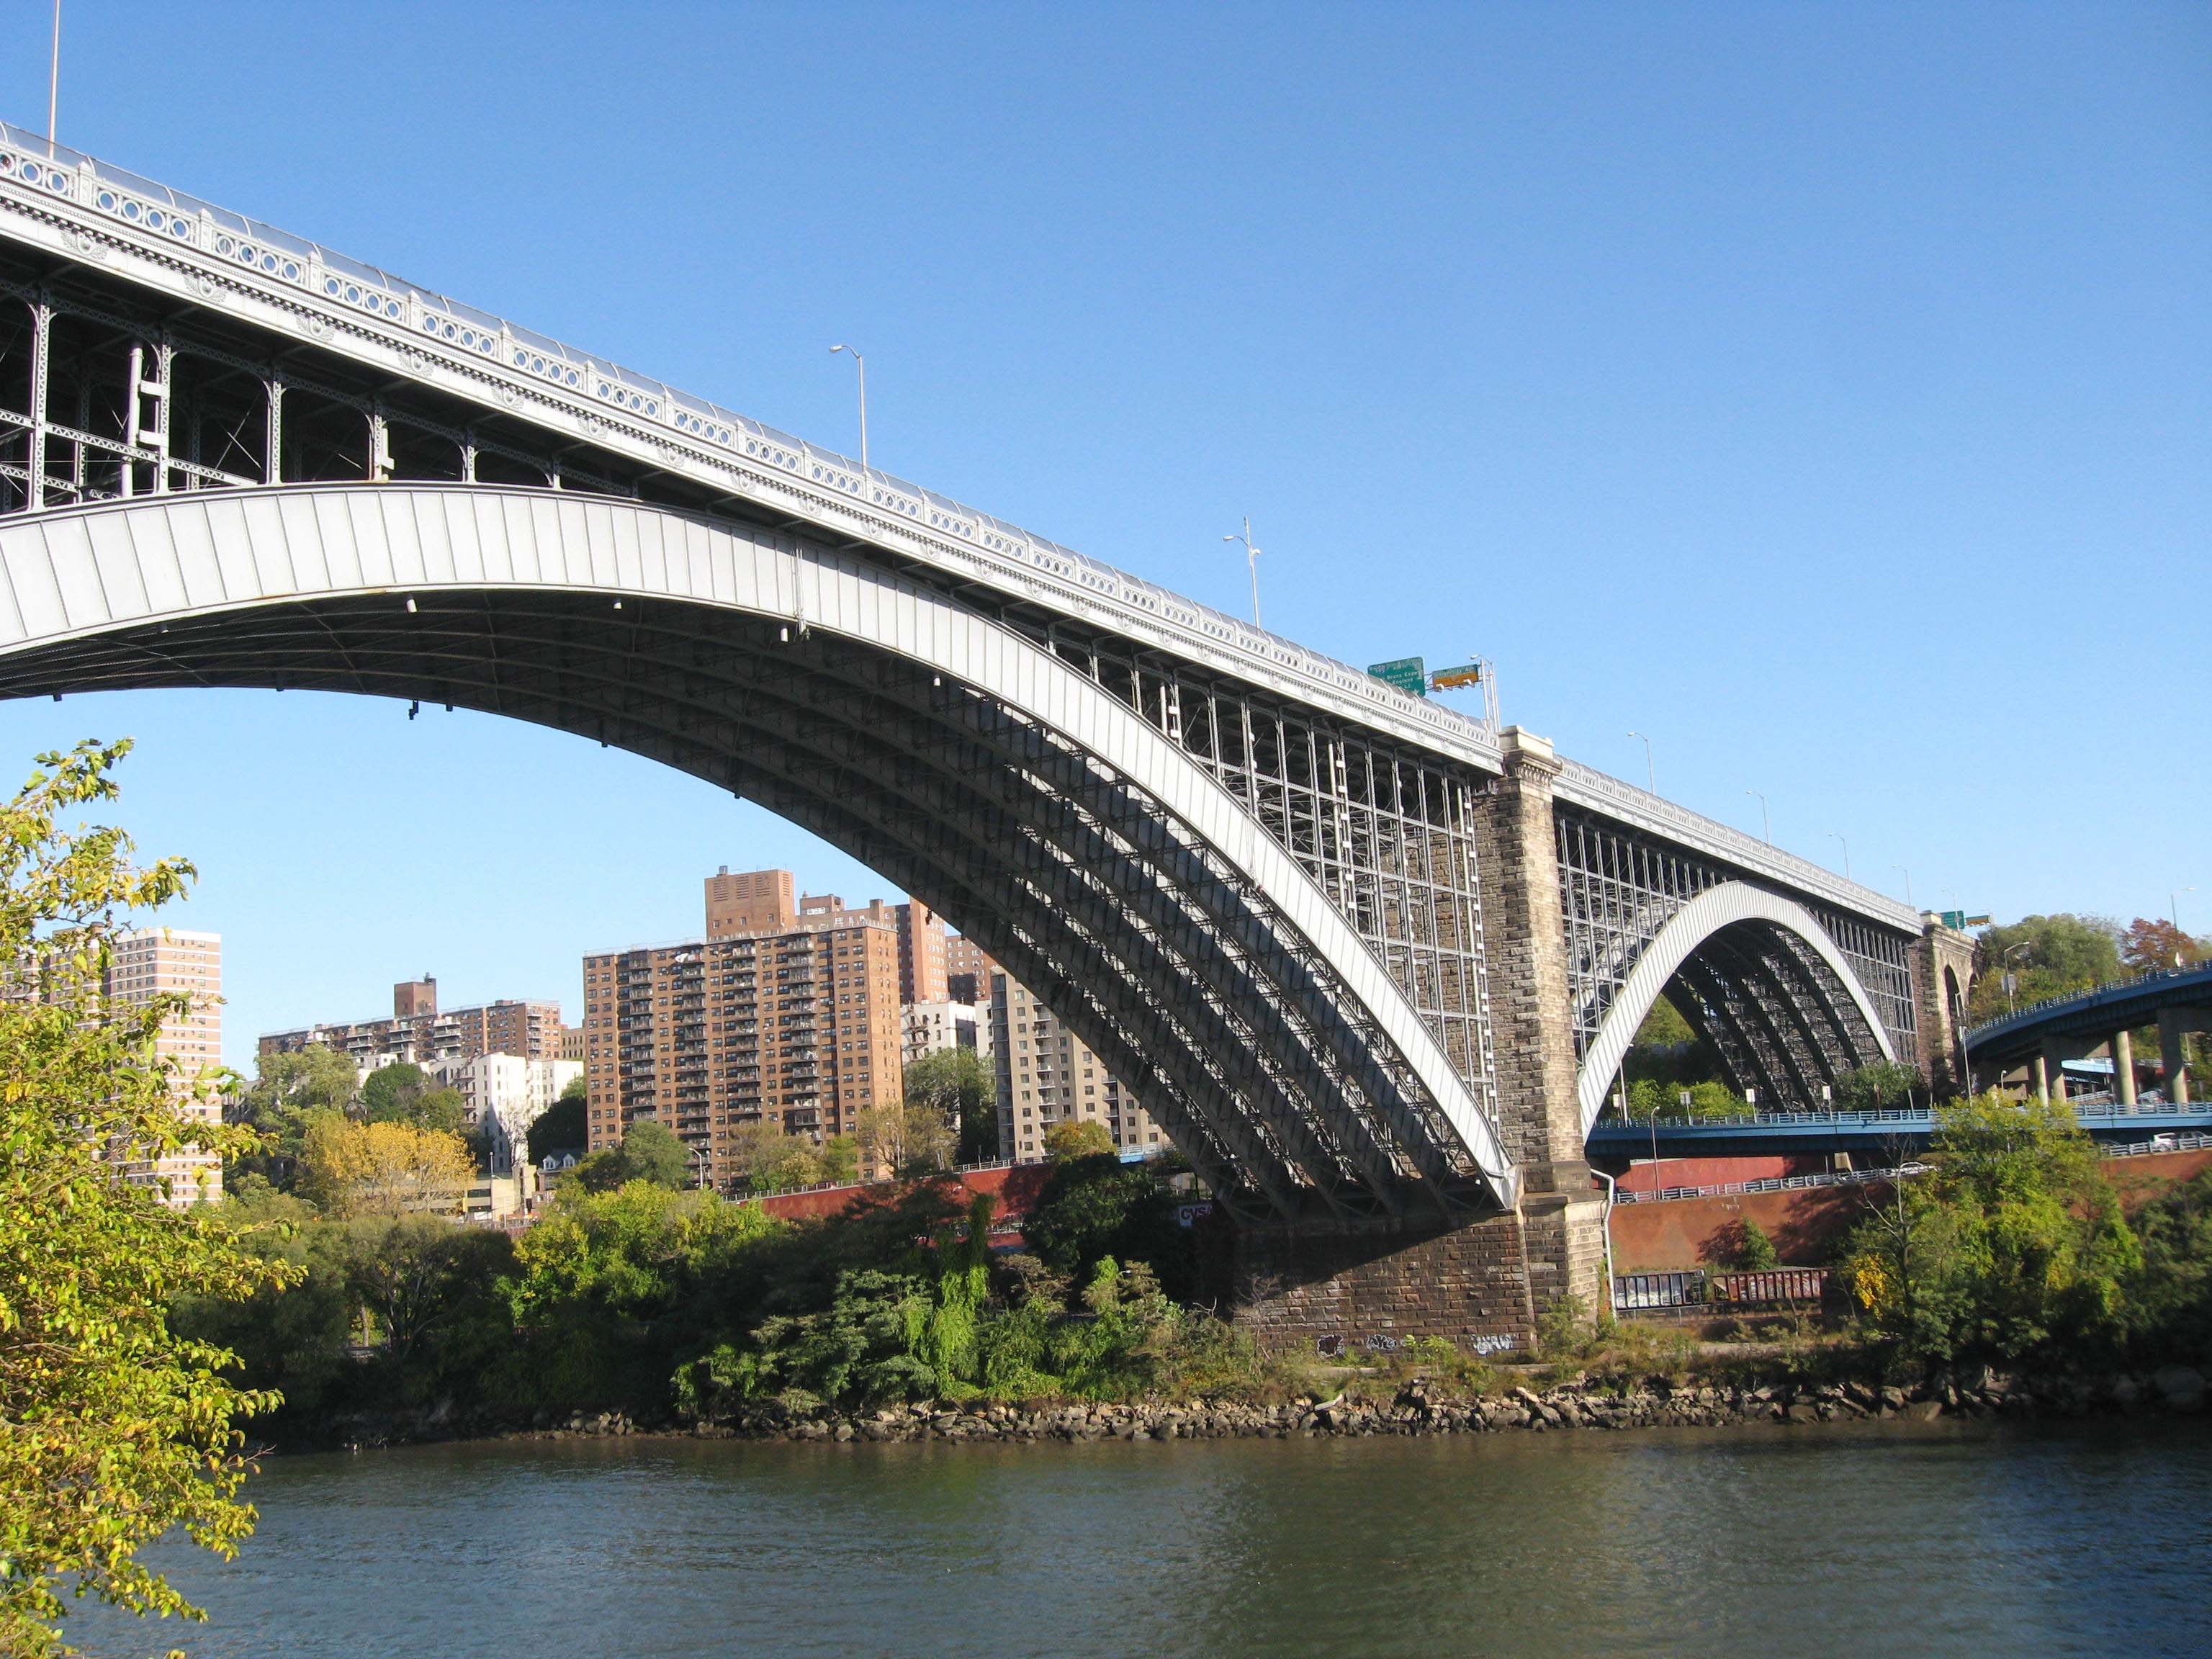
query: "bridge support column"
1942, 964
2173, 1023
1524, 936
2038, 1071
2123, 1047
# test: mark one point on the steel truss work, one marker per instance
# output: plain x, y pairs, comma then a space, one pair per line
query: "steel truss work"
1776, 1010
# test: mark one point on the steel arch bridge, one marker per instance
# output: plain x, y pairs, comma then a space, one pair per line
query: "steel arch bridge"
1284, 901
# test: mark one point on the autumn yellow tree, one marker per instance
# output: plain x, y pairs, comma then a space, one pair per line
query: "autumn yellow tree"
114, 1429
361, 1169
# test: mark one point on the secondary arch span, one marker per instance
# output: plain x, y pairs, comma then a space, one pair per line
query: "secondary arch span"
1045, 819
1760, 977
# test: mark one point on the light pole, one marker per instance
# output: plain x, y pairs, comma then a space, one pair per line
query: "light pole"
1847, 853
861, 363
1251, 558
1765, 824
2174, 915
1907, 874
1650, 777
2011, 979
701, 1155
54, 82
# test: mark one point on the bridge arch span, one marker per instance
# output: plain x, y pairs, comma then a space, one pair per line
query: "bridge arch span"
1759, 976
1044, 818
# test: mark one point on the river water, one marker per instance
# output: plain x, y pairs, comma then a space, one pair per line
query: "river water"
2092, 1540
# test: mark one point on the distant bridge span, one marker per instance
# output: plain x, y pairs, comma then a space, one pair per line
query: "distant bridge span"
1370, 963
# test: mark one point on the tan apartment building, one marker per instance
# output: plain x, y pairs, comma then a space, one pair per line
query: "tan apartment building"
153, 962
788, 1012
1048, 1075
419, 1033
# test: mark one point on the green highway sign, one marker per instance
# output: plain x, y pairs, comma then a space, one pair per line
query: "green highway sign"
1409, 674
1958, 921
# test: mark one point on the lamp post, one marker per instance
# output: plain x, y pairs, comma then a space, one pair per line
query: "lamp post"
1650, 777
860, 363
1847, 853
2174, 915
1907, 874
54, 82
1251, 558
701, 1155
2011, 979
1765, 824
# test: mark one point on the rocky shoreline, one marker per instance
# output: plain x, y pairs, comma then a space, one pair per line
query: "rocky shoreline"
1421, 1406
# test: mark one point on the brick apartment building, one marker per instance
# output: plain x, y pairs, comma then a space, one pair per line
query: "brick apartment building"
419, 1033
786, 1011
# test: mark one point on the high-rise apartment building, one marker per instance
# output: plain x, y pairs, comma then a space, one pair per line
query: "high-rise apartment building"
418, 1033
786, 1012
1048, 1075
967, 972
153, 962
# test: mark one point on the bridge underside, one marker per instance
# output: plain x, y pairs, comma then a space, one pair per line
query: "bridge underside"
1179, 974
1779, 1017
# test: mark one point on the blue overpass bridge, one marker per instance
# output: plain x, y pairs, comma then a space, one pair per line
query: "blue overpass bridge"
2045, 1038
1897, 1129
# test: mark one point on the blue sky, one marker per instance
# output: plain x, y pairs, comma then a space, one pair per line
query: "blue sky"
1822, 391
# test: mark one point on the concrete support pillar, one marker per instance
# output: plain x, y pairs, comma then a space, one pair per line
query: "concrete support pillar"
1516, 850
2038, 1069
2173, 1022
2124, 1067
2052, 1071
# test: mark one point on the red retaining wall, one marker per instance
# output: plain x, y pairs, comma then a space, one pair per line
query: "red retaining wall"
1015, 1186
1807, 1224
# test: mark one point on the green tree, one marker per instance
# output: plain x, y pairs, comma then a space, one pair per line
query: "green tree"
905, 1138
955, 1085
1074, 1139
563, 1126
1098, 1207
841, 1160
2012, 1245
650, 1152
1884, 1083
388, 1093
286, 1091
771, 1160
114, 1426
2048, 956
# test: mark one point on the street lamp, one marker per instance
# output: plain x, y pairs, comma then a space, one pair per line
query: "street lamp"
1251, 558
861, 363
1836, 836
1765, 825
701, 1155
2174, 915
54, 82
1650, 777
1907, 874
2011, 979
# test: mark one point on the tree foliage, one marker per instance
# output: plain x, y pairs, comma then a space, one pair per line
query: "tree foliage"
563, 1127
906, 1137
768, 1158
651, 1152
2048, 956
288, 1089
955, 1085
114, 1428
2154, 945
2013, 1245
364, 1169
1071, 1139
